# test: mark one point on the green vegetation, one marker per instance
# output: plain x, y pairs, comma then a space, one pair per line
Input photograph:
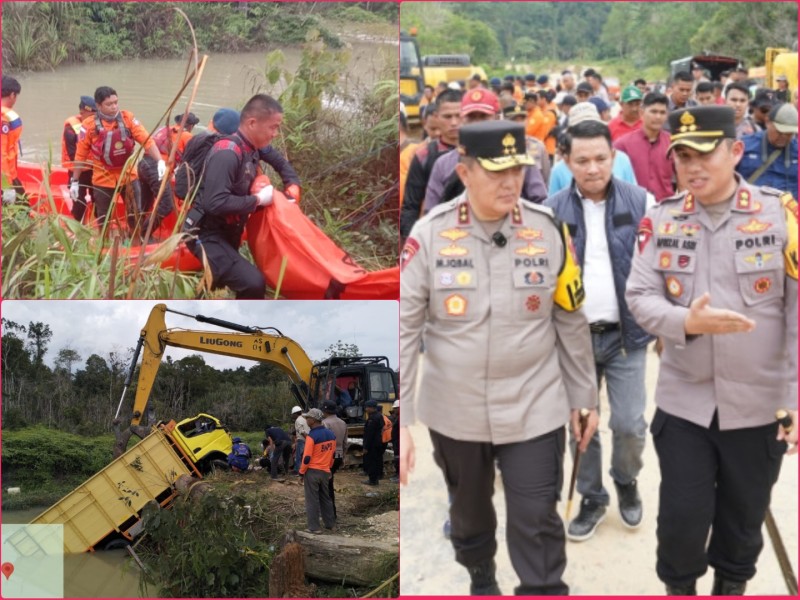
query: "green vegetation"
342, 144
47, 464
80, 394
42, 35
247, 524
638, 35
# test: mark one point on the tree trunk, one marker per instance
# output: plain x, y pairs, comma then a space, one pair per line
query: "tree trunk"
348, 560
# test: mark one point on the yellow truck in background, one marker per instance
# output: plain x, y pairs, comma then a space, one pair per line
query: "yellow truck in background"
781, 61
449, 68
105, 512
412, 80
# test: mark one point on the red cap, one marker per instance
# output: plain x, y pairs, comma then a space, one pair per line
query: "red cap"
479, 100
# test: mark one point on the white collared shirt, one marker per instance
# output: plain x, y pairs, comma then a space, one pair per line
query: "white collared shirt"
598, 277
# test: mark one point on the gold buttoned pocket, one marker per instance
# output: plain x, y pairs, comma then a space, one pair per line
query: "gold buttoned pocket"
760, 274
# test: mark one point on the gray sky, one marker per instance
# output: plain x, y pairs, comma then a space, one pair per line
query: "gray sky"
102, 326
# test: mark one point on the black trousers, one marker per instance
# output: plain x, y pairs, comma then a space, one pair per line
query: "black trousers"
148, 176
373, 463
717, 480
337, 463
229, 268
103, 200
532, 474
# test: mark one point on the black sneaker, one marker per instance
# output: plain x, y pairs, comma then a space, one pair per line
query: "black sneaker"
630, 504
483, 582
686, 589
726, 587
583, 526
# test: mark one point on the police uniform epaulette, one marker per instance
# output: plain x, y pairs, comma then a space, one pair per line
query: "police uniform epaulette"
770, 191
539, 208
444, 207
674, 198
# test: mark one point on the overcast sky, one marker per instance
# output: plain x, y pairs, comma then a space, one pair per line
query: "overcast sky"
102, 326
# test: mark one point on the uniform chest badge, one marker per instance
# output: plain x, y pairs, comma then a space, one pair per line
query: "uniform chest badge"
665, 260
754, 226
446, 279
454, 234
454, 250
464, 278
759, 259
762, 285
683, 261
532, 303
667, 228
529, 235
674, 286
455, 305
690, 229
534, 278
530, 250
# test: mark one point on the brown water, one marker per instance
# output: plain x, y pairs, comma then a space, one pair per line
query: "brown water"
107, 574
146, 87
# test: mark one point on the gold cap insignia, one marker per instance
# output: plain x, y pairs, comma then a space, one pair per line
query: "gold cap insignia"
509, 144
687, 123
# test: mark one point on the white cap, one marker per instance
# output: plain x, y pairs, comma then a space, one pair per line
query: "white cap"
296, 409
454, 85
396, 404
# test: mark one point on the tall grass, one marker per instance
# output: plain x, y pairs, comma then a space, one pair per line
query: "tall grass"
54, 256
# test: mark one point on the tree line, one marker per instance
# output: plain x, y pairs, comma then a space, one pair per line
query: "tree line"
43, 35
644, 33
80, 395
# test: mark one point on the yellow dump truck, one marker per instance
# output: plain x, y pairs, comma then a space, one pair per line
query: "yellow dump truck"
781, 61
105, 512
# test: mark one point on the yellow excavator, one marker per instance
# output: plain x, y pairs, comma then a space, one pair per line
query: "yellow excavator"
362, 377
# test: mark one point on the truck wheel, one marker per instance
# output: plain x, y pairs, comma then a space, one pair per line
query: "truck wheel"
117, 544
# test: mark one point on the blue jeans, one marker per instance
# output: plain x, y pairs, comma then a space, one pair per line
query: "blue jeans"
300, 447
624, 374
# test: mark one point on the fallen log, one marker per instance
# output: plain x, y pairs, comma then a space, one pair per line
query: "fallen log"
347, 560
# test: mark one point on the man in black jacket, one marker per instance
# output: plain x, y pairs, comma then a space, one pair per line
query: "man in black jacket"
602, 214
225, 201
373, 445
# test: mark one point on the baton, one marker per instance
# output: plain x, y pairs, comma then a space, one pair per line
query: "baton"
584, 419
785, 420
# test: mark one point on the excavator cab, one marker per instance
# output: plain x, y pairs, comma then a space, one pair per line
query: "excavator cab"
351, 381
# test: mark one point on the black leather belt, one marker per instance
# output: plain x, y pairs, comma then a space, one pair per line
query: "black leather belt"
601, 327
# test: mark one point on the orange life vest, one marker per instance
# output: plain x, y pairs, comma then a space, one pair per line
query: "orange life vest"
112, 147
75, 123
386, 433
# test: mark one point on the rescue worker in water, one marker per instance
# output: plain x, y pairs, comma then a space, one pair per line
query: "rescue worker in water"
110, 139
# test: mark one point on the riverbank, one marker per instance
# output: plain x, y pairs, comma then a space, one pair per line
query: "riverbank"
43, 36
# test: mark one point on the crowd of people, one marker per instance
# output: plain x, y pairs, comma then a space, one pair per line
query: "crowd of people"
314, 449
215, 170
766, 120
546, 243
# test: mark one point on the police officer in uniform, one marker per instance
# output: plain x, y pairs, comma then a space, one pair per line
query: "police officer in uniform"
715, 277
492, 281
225, 201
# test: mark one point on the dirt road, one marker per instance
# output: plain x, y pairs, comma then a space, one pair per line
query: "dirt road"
616, 561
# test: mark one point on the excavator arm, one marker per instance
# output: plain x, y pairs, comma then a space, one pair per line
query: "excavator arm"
249, 343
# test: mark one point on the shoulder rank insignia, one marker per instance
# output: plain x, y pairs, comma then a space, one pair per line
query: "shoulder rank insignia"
463, 213
689, 203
